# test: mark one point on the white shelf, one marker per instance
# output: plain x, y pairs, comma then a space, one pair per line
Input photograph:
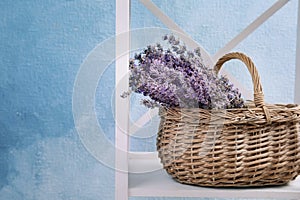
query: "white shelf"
159, 184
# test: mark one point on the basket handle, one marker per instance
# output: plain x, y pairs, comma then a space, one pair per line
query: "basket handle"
258, 92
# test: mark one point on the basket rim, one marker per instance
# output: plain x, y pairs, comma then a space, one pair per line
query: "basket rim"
279, 113
249, 106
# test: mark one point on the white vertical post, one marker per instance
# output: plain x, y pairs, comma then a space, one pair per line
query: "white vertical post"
122, 105
297, 80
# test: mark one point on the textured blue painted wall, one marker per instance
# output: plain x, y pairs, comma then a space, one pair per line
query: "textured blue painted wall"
43, 43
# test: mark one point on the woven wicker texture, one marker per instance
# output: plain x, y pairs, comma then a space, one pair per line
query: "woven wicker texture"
254, 146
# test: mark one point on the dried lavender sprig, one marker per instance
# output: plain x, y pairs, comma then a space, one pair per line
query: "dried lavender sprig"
177, 77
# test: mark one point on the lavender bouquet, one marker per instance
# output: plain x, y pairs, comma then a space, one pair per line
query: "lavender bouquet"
177, 77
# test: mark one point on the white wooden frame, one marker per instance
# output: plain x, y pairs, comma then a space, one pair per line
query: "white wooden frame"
297, 75
122, 105
127, 185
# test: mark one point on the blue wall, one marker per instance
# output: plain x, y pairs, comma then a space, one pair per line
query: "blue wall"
44, 42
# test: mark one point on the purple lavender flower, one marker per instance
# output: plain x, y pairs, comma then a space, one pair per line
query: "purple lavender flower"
176, 77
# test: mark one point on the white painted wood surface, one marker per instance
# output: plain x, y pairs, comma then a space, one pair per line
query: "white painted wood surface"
122, 104
159, 184
297, 80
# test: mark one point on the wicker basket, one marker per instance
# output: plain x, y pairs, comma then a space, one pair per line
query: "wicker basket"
254, 146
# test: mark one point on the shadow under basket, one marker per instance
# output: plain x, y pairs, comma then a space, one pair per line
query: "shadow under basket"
244, 147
